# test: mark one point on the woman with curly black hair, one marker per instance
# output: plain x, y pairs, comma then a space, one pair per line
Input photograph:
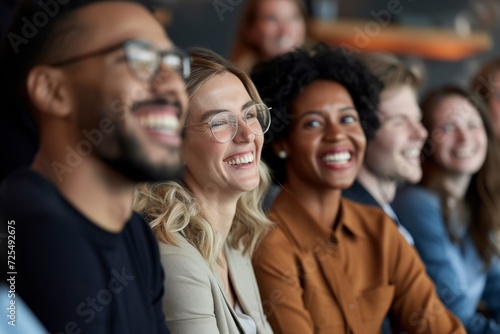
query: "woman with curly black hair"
331, 265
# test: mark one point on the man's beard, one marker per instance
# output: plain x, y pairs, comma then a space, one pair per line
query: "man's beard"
120, 150
132, 163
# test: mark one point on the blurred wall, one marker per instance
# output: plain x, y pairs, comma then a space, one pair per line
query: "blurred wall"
199, 23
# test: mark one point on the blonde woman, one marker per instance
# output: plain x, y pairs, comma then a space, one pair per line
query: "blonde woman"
209, 223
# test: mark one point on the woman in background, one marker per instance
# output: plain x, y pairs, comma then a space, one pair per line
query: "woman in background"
454, 214
209, 223
331, 265
268, 28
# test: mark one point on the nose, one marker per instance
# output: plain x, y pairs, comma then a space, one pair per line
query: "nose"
334, 131
461, 134
418, 131
282, 28
243, 134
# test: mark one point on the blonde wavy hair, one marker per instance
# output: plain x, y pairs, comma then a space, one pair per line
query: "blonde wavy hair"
171, 207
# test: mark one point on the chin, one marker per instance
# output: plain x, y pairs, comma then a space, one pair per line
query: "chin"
413, 177
248, 185
343, 184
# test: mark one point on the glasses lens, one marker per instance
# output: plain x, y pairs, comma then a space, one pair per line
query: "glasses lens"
224, 126
177, 61
258, 118
142, 59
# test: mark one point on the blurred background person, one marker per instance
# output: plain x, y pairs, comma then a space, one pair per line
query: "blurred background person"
209, 224
268, 28
454, 213
486, 86
330, 264
393, 154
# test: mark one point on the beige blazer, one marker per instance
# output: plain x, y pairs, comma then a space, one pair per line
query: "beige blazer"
194, 301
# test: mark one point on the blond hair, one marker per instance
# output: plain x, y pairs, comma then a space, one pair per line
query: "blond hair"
171, 207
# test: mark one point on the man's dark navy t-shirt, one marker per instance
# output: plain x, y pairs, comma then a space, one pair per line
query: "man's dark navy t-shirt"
76, 277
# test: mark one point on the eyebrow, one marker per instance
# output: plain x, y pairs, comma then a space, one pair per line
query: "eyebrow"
418, 118
207, 115
321, 113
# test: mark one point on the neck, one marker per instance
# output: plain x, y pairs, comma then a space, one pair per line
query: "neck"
382, 189
322, 204
100, 194
218, 210
454, 185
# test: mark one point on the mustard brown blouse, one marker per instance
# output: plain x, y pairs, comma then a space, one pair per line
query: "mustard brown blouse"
315, 280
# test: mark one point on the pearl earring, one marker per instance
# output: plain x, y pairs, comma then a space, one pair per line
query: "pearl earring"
282, 154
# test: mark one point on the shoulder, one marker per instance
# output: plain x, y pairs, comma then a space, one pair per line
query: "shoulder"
358, 193
139, 230
361, 211
414, 196
183, 258
370, 223
279, 248
366, 217
41, 213
278, 235
26, 193
141, 240
418, 208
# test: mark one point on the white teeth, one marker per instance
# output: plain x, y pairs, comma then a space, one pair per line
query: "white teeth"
247, 158
464, 152
413, 153
341, 158
165, 123
285, 42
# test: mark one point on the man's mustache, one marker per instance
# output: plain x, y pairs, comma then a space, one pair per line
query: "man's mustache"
158, 102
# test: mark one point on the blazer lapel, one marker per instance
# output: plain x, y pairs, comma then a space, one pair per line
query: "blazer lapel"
238, 274
244, 284
233, 314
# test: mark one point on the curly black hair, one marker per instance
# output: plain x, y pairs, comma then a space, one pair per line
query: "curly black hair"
283, 78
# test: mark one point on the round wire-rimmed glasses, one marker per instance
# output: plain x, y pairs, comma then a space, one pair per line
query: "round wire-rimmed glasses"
224, 125
143, 59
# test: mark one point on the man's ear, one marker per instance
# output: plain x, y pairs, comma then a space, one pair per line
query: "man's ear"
47, 91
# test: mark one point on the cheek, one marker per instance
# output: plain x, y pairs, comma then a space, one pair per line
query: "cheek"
259, 142
376, 154
385, 142
441, 150
298, 30
121, 101
495, 108
484, 142
359, 140
268, 30
194, 151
